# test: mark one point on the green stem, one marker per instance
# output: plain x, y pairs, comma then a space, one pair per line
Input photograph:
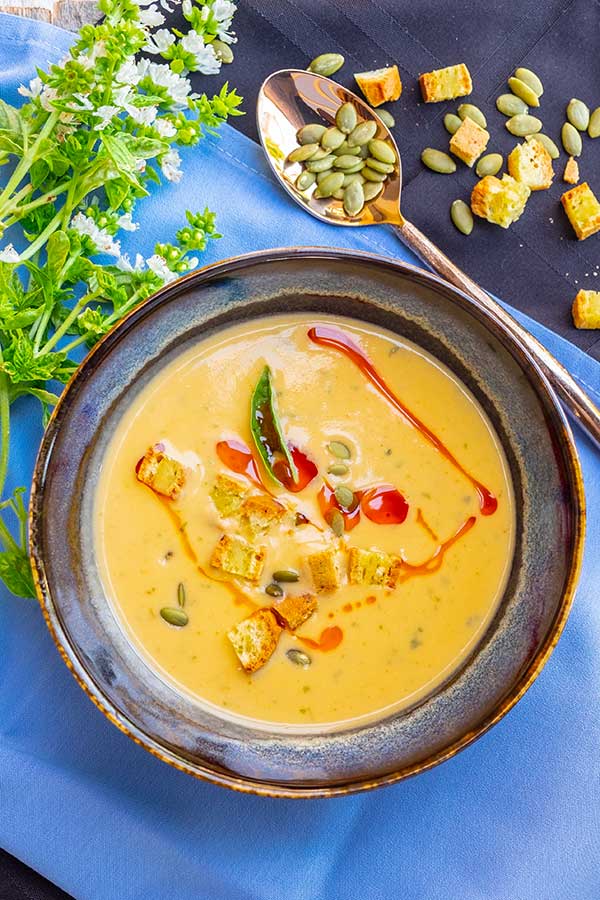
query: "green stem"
4, 427
42, 325
24, 166
68, 321
48, 197
7, 538
41, 238
77, 342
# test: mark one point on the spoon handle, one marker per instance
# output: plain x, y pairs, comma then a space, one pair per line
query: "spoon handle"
577, 402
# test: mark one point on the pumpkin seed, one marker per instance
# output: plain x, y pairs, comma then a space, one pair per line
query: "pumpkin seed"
524, 91
320, 176
438, 161
346, 149
511, 105
372, 175
302, 153
289, 575
337, 469
490, 164
379, 166
274, 590
174, 616
320, 165
594, 126
372, 189
310, 134
339, 449
363, 133
346, 162
298, 657
571, 140
346, 118
452, 123
578, 114
522, 125
344, 496
546, 142
363, 151
336, 522
339, 194
181, 594
332, 138
305, 180
382, 151
462, 217
354, 198
386, 117
223, 52
321, 153
354, 176
470, 111
326, 64
328, 185
531, 79
356, 168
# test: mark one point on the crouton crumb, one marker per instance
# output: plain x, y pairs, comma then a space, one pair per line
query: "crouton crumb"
255, 638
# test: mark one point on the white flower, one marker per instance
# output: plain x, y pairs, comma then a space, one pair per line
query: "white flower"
101, 239
124, 263
47, 95
158, 265
223, 11
187, 7
126, 223
143, 115
160, 41
170, 164
128, 72
83, 102
163, 4
105, 113
34, 89
9, 254
176, 85
165, 128
151, 17
121, 96
204, 55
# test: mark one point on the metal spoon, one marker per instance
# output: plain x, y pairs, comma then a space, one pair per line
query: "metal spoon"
291, 98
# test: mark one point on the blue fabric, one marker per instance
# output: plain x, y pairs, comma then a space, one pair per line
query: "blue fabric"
513, 817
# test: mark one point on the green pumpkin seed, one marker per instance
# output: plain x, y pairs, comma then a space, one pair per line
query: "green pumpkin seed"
490, 164
305, 180
274, 590
289, 575
223, 52
298, 657
354, 198
382, 151
571, 140
386, 117
339, 194
356, 168
524, 91
321, 153
346, 118
470, 111
336, 522
338, 469
372, 175
362, 134
354, 176
346, 150
546, 142
181, 594
174, 616
372, 189
578, 114
522, 125
462, 217
379, 166
344, 496
320, 165
310, 134
320, 176
302, 153
594, 126
328, 185
332, 138
510, 105
530, 78
452, 123
363, 151
339, 449
438, 161
347, 162
326, 64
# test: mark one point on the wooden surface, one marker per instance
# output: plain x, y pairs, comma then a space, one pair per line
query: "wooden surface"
69, 14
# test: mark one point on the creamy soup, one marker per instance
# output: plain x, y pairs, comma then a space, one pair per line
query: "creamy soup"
305, 519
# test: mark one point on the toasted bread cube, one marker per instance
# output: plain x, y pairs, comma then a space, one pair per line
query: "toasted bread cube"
258, 513
227, 494
571, 173
373, 567
324, 570
254, 639
294, 611
501, 202
583, 210
380, 85
469, 141
531, 164
236, 556
160, 472
446, 84
586, 309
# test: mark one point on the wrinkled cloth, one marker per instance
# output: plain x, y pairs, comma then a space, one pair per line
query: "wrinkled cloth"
513, 817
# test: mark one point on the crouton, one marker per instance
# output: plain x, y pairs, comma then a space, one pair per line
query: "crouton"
258, 513
293, 611
531, 164
254, 639
469, 141
160, 472
501, 202
380, 85
236, 556
571, 173
373, 567
324, 570
446, 84
586, 309
227, 494
583, 210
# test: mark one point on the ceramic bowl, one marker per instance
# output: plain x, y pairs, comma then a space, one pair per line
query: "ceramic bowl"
322, 760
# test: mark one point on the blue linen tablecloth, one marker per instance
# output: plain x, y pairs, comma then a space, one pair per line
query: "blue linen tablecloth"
513, 817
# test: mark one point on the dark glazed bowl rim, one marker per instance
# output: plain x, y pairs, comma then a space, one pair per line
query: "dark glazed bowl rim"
276, 789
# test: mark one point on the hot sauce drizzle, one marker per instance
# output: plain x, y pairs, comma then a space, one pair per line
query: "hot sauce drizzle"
435, 561
328, 502
237, 456
384, 505
328, 336
307, 470
329, 639
421, 520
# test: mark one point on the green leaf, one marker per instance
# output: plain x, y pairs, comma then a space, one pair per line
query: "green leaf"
116, 192
15, 572
119, 152
39, 172
21, 363
11, 121
266, 427
58, 249
143, 147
